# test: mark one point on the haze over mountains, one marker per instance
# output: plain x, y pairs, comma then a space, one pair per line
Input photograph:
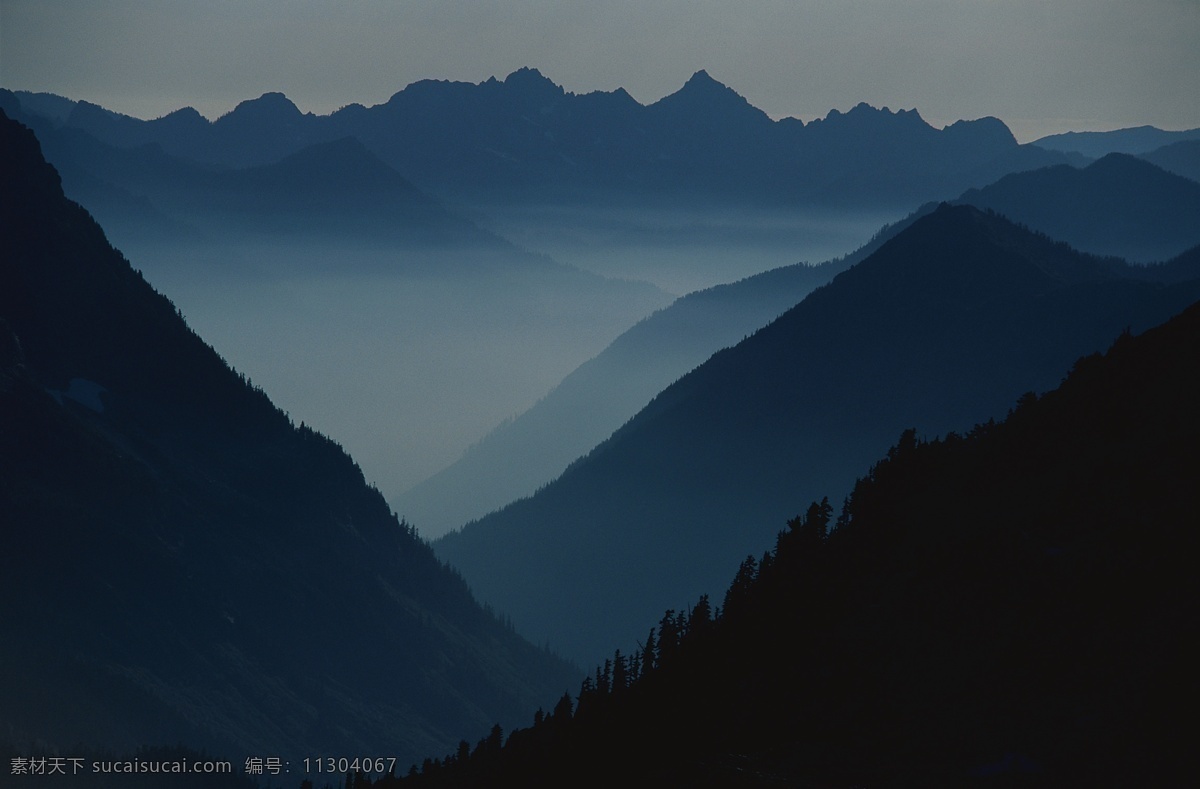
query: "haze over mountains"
1116, 206
184, 563
328, 259
520, 456
268, 222
407, 276
942, 327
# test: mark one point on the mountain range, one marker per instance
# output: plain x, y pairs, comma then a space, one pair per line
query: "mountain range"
943, 326
525, 139
186, 564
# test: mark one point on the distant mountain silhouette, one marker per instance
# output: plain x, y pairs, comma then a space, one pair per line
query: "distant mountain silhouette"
184, 564
1016, 606
326, 189
525, 138
1135, 140
1118, 205
1181, 158
942, 327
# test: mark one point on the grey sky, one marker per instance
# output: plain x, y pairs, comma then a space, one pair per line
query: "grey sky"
1041, 66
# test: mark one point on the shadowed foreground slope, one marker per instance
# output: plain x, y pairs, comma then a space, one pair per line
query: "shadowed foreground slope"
182, 563
1014, 607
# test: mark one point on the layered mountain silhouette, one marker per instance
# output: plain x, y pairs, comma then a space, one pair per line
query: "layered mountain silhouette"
328, 189
525, 138
521, 455
1119, 205
1016, 606
1181, 158
1136, 140
333, 233
185, 564
942, 327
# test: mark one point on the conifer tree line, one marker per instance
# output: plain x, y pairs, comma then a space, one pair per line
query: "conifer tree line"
1013, 606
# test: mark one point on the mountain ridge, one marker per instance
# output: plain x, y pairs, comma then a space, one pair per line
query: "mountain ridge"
907, 336
527, 138
1117, 205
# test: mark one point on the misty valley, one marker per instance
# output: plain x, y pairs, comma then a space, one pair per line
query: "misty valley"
498, 435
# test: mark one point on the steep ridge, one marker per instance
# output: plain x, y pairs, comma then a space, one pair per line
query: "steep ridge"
942, 327
184, 564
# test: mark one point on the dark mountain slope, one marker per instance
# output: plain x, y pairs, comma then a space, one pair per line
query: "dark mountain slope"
943, 326
182, 563
1119, 205
1017, 607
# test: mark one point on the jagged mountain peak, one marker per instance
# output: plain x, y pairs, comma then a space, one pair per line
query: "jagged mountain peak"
527, 74
702, 83
702, 78
704, 97
864, 112
531, 82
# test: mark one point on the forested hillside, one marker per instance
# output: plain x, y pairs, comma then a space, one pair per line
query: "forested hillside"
1012, 606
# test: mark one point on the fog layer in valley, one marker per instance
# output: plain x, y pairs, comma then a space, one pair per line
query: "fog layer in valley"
680, 248
403, 362
408, 357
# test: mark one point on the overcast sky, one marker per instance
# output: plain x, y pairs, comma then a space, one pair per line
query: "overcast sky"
1042, 66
